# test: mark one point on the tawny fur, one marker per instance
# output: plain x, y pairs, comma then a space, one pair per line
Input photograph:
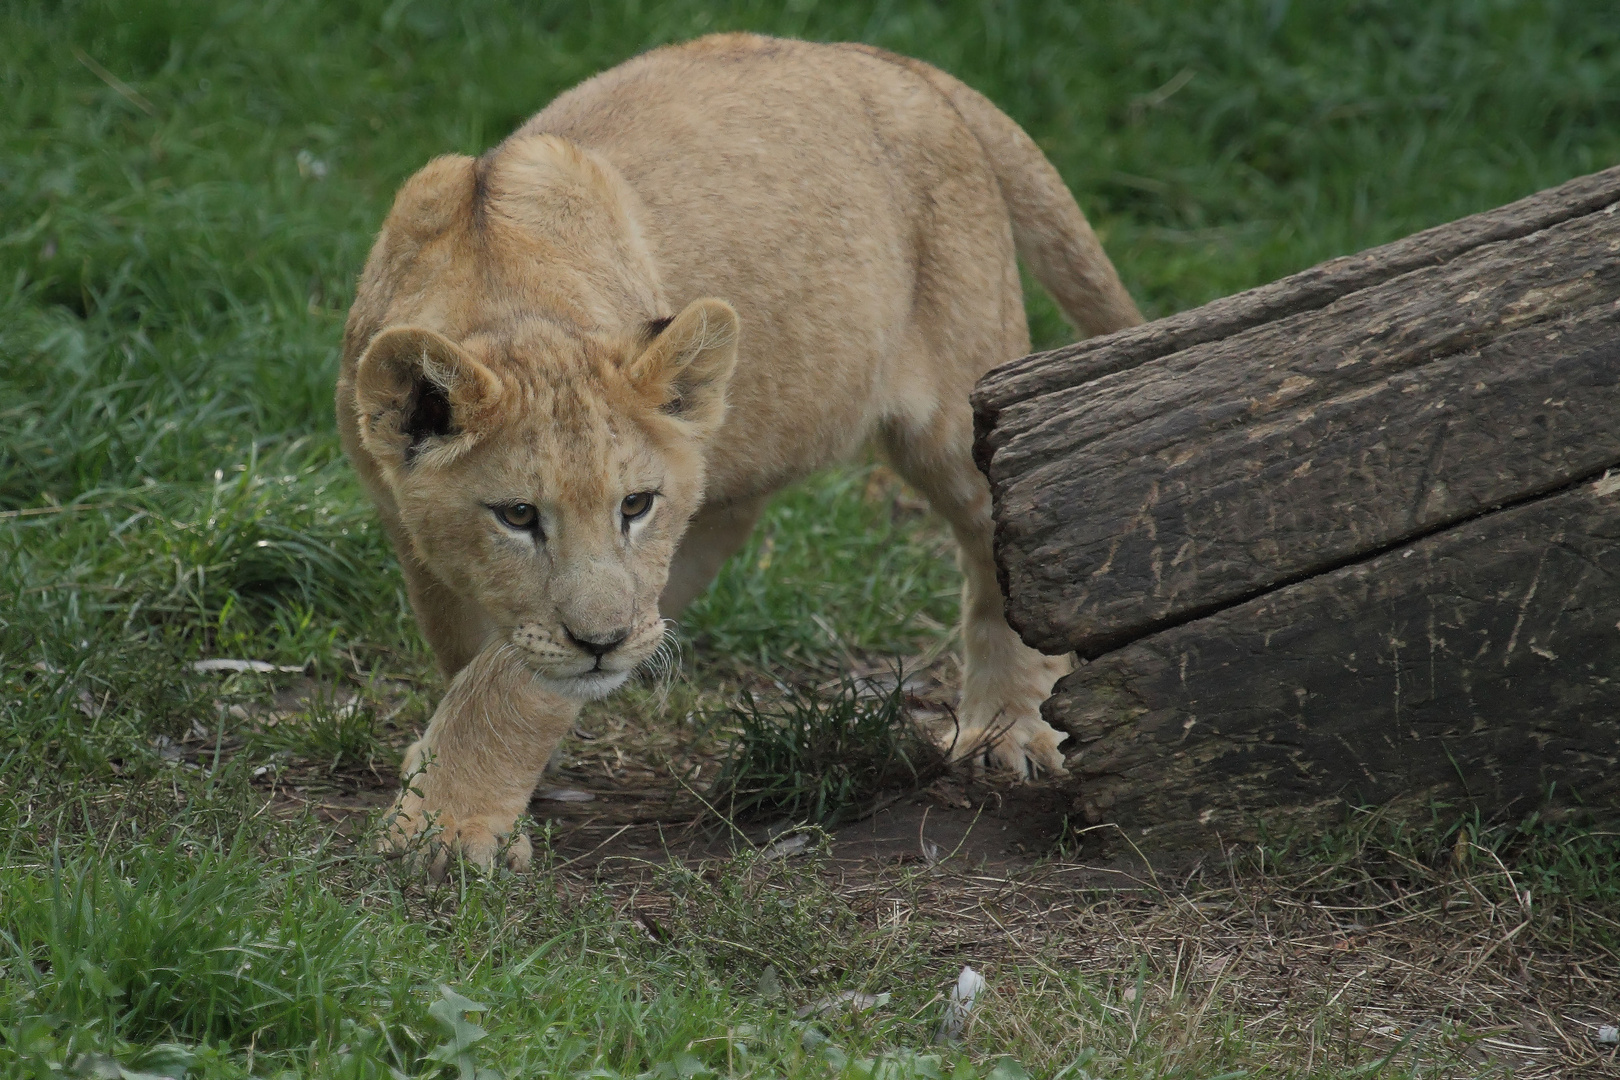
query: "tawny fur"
836, 228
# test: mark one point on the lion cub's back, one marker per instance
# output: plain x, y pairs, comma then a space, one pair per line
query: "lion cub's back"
797, 181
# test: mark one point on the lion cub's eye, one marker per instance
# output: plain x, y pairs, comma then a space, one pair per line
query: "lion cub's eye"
636, 506
518, 516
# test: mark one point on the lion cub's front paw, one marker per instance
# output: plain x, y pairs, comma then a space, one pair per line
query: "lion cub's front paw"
1027, 747
426, 839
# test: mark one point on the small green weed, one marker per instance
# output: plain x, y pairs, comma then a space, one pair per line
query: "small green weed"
337, 734
822, 757
460, 1034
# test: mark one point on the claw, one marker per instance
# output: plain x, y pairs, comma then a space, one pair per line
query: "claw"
426, 841
1028, 749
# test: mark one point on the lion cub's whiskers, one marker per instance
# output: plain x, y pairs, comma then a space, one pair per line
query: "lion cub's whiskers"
662, 668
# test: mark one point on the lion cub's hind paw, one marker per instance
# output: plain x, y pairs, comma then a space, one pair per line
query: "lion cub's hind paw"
425, 843
1027, 748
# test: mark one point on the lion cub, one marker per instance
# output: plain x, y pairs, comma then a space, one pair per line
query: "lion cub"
578, 365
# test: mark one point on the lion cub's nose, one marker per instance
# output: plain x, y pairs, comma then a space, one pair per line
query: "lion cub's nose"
598, 644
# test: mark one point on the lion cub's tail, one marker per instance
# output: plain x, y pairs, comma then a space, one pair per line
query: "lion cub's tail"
1051, 233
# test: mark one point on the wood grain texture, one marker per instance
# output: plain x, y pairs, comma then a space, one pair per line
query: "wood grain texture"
1481, 664
1008, 399
1197, 479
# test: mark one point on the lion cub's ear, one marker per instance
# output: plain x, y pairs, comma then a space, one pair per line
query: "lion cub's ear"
417, 390
688, 363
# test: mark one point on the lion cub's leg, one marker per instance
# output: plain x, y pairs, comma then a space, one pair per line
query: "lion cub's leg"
455, 627
1004, 681
715, 535
469, 777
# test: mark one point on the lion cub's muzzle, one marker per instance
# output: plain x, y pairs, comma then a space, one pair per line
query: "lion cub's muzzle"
583, 664
598, 644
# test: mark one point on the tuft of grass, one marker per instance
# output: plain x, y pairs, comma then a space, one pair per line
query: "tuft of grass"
822, 757
339, 735
240, 946
89, 709
1560, 874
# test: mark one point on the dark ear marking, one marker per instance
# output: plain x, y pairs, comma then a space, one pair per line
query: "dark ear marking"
427, 415
656, 326
686, 368
417, 386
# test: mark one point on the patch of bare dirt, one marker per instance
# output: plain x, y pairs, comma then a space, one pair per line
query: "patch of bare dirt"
995, 875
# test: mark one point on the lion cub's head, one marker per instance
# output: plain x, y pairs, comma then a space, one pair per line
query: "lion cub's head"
548, 474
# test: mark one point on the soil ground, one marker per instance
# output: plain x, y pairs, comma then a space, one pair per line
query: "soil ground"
991, 874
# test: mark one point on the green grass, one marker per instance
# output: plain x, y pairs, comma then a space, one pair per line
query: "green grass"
823, 756
187, 191
181, 926
186, 946
1566, 867
335, 734
834, 569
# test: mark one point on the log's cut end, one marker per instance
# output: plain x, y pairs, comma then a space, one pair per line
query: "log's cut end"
1348, 539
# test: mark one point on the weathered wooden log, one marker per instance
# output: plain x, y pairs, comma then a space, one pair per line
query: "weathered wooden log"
1477, 665
1347, 537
